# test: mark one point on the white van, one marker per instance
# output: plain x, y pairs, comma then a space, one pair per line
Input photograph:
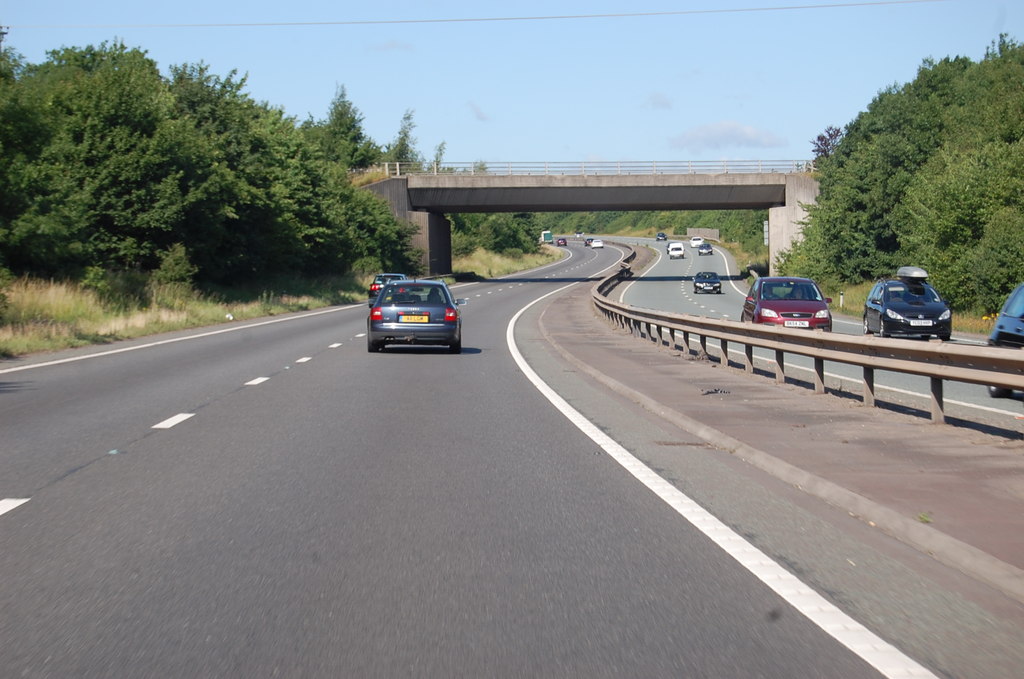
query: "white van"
676, 251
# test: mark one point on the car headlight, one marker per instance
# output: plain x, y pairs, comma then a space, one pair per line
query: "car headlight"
821, 314
893, 315
768, 313
946, 315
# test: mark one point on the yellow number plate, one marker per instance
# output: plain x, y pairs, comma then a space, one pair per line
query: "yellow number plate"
414, 319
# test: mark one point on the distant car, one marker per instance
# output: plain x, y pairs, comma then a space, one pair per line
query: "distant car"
588, 242
1008, 331
668, 245
382, 279
707, 281
907, 306
705, 249
788, 302
596, 243
561, 241
676, 251
579, 234
695, 241
661, 236
415, 312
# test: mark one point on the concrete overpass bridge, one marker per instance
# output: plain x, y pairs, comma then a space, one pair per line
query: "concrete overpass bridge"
424, 196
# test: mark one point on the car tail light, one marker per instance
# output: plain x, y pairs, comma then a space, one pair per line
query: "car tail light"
376, 314
451, 314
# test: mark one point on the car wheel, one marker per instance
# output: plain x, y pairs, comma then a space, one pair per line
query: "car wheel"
944, 338
867, 330
455, 348
1000, 392
374, 347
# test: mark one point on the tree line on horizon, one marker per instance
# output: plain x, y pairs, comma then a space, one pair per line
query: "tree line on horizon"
108, 168
931, 174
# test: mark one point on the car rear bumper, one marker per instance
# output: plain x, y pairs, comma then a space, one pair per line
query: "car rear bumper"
396, 333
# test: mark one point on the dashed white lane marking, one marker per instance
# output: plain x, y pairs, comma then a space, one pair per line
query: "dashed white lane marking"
334, 346
881, 655
258, 380
171, 421
304, 359
148, 345
362, 334
9, 503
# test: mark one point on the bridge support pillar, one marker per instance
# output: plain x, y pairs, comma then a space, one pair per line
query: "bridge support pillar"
435, 240
785, 224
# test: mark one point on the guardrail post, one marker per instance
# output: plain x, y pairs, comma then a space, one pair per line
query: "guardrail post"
819, 376
869, 386
704, 345
748, 357
724, 346
938, 416
780, 366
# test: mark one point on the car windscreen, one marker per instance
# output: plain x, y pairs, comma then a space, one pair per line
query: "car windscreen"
791, 290
911, 293
412, 295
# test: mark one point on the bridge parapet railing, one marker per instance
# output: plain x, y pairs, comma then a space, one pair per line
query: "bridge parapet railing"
938, 361
594, 168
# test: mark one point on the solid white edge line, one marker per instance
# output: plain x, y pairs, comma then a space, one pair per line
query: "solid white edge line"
178, 339
9, 503
171, 421
871, 648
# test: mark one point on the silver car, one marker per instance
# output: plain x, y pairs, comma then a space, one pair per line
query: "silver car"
415, 312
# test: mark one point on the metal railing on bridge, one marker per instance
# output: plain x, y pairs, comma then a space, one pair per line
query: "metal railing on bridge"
592, 168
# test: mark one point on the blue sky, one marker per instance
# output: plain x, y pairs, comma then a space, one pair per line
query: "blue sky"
691, 80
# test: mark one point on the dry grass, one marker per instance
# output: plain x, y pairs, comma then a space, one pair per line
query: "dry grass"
50, 315
490, 264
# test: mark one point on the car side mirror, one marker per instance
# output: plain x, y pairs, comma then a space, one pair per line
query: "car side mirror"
828, 300
461, 301
371, 303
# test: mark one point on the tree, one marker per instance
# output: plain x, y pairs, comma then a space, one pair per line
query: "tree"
403, 148
825, 144
341, 137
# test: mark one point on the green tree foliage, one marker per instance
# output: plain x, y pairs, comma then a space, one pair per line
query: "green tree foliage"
341, 137
403, 148
932, 175
506, 233
107, 166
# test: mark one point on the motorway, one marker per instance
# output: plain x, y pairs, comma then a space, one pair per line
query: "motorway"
667, 285
269, 499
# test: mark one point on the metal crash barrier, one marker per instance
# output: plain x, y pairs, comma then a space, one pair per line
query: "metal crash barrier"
938, 361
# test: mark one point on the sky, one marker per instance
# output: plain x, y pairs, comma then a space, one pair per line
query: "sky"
549, 80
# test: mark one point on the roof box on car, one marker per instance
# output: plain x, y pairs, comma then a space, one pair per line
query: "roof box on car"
911, 273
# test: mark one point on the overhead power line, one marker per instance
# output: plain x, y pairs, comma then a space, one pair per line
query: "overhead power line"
556, 17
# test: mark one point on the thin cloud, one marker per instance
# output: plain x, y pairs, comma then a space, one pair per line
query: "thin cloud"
658, 100
725, 134
478, 112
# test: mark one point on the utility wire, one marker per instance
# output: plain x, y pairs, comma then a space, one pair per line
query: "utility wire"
560, 17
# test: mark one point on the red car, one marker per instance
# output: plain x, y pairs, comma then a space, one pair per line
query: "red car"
561, 241
788, 302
